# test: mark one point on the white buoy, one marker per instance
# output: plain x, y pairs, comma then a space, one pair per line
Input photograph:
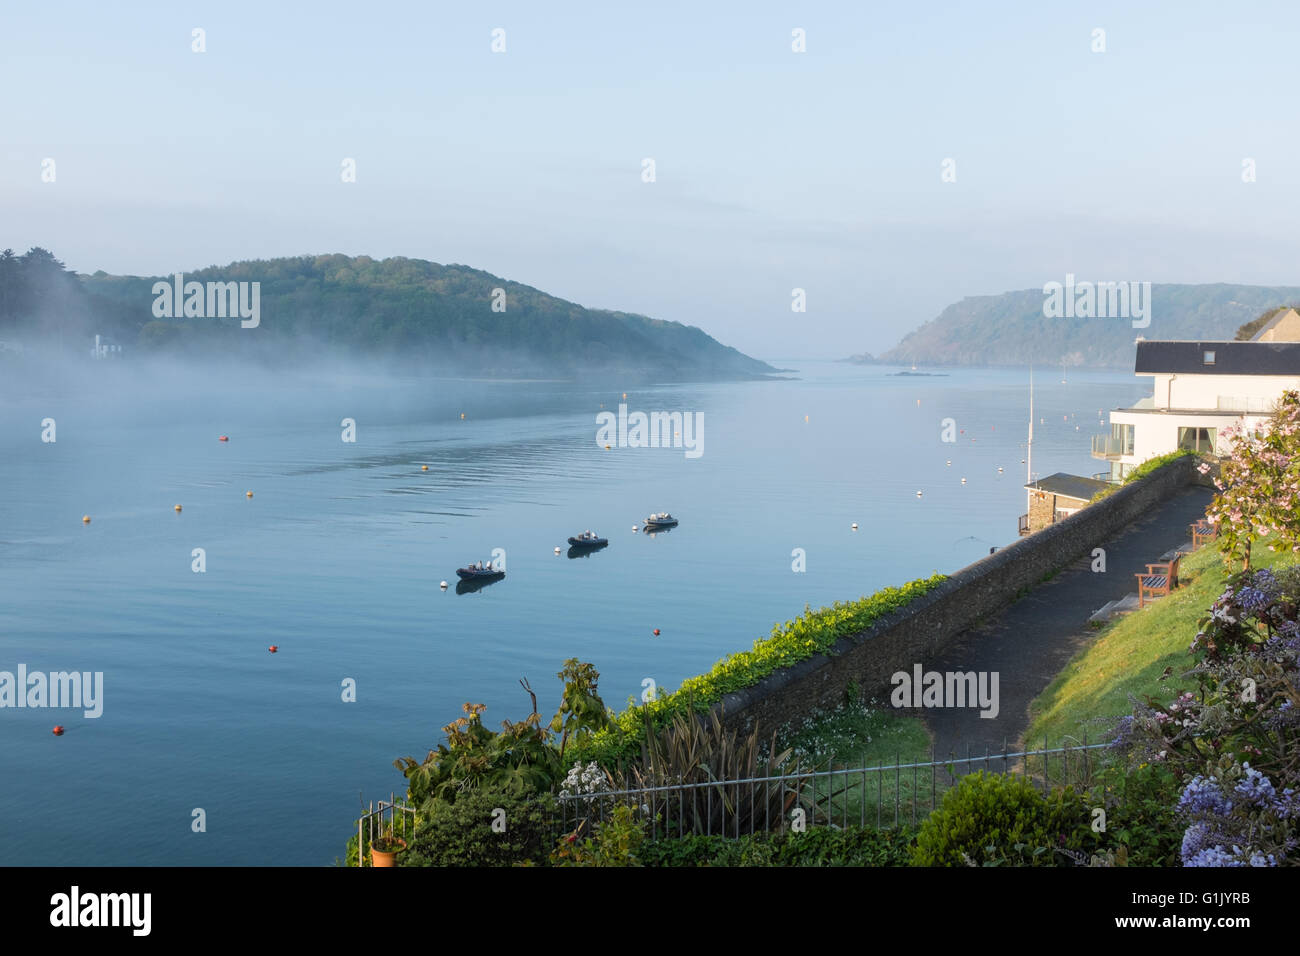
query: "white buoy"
948, 462
557, 550
443, 585
999, 469
963, 481
855, 526
635, 529
918, 494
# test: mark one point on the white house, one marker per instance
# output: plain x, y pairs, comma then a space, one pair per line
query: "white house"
1200, 388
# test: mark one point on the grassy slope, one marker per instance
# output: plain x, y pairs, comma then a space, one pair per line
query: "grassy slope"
858, 736
1130, 654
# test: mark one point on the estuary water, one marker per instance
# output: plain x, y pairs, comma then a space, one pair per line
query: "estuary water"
336, 560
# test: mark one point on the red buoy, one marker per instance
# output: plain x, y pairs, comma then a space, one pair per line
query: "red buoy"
224, 438
656, 632
58, 730
273, 648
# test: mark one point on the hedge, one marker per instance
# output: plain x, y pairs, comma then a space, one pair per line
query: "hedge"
813, 632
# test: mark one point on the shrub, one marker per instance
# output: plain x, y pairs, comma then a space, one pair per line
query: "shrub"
461, 833
813, 632
1259, 485
1238, 819
993, 819
1142, 470
818, 846
615, 842
1141, 818
1231, 745
695, 749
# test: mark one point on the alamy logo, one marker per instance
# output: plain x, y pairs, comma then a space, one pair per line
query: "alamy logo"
212, 300
656, 430
57, 689
1099, 300
951, 689
103, 909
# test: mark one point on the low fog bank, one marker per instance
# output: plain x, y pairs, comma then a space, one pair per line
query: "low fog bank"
209, 391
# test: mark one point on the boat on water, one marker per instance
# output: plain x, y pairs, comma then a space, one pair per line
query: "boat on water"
661, 520
588, 539
480, 571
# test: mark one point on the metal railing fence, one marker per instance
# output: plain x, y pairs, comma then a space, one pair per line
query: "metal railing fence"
880, 796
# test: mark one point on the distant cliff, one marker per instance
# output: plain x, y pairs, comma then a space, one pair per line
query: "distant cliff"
1011, 328
446, 318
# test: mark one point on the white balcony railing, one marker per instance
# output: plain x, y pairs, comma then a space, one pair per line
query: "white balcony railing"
1238, 403
1111, 446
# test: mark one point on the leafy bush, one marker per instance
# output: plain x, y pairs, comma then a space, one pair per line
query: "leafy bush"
814, 632
1259, 485
615, 842
1144, 469
581, 712
994, 819
698, 749
818, 846
519, 759
1230, 747
1141, 817
461, 833
1238, 818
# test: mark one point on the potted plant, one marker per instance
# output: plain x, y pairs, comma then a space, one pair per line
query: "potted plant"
385, 847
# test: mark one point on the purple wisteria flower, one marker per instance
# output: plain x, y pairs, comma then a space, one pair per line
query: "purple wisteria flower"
1203, 795
1215, 856
1256, 788
1253, 601
1123, 733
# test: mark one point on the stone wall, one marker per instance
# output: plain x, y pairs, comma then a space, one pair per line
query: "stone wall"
1042, 510
915, 633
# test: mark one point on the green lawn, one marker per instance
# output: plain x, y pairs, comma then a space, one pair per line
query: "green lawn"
1129, 656
857, 735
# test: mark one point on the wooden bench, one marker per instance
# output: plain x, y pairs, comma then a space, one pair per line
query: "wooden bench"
1159, 580
1203, 531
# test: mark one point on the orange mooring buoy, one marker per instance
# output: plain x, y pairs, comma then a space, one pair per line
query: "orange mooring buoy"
224, 438
273, 648
656, 632
178, 507
85, 519
58, 730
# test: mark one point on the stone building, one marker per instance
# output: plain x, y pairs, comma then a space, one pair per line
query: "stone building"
1055, 497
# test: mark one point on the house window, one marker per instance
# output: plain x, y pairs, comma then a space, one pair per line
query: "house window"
1200, 440
1121, 439
1208, 358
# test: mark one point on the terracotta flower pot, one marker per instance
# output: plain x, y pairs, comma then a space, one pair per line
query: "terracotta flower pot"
380, 858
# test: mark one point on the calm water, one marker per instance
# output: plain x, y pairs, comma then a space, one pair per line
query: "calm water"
337, 559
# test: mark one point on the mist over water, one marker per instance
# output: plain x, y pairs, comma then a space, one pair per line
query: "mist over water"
337, 557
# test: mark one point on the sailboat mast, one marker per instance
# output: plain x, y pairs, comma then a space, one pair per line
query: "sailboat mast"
1029, 456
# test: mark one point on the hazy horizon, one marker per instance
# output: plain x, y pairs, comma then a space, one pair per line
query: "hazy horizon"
774, 169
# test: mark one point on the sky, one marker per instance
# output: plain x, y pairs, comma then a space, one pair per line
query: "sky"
774, 170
